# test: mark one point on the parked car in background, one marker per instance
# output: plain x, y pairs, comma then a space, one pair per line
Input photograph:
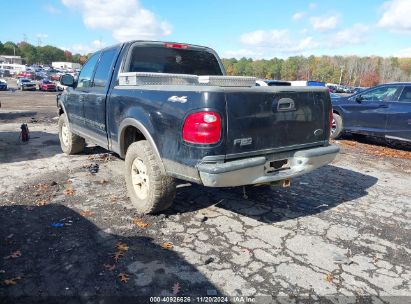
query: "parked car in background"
41, 75
5, 73
27, 75
307, 83
339, 89
47, 85
270, 83
333, 95
61, 87
348, 90
53, 74
382, 111
55, 77
358, 90
3, 85
332, 89
26, 84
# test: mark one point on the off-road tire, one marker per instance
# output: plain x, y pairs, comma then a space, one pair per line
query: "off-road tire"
74, 143
338, 126
161, 188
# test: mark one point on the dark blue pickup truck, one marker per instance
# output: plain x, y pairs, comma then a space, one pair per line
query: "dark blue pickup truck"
171, 112
382, 111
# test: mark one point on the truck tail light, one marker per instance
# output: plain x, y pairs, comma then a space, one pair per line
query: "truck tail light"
202, 128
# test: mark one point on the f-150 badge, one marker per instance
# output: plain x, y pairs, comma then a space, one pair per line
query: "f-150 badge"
182, 99
243, 141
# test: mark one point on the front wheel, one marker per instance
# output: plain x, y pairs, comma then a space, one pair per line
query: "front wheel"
336, 126
70, 143
149, 189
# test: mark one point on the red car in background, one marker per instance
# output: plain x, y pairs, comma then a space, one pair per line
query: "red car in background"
47, 85
28, 75
55, 76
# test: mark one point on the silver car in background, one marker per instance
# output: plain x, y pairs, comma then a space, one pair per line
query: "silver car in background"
26, 84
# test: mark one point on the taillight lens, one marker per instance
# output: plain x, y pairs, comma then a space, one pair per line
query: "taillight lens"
202, 128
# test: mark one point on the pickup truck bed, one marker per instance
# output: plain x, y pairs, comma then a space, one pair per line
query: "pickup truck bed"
213, 130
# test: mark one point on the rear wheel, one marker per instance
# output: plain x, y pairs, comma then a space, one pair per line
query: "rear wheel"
149, 189
70, 143
336, 126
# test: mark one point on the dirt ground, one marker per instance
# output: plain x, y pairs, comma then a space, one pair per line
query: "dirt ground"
340, 234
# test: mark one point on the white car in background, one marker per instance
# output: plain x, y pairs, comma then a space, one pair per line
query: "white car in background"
60, 87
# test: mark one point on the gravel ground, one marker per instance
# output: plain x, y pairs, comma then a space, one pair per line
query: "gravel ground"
340, 234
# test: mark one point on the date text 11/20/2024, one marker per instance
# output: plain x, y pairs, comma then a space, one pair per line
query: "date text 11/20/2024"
222, 299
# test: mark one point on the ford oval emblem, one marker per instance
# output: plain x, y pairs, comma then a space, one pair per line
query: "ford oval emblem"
318, 132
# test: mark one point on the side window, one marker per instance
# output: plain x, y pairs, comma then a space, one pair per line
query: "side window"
84, 79
406, 94
103, 72
385, 93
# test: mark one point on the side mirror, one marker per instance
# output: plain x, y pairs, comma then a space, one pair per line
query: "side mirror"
67, 80
359, 99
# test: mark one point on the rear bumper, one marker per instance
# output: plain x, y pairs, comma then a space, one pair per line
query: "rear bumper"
259, 169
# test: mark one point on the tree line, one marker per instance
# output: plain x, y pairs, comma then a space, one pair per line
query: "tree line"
39, 54
347, 70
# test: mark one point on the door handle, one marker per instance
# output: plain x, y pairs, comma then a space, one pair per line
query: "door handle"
383, 106
81, 98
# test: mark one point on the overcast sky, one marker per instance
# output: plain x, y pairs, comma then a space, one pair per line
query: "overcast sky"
234, 28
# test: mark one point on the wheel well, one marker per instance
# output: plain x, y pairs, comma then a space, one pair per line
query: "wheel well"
130, 135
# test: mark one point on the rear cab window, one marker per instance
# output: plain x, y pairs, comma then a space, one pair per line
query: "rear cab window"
161, 59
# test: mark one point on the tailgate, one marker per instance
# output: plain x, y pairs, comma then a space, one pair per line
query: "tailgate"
264, 121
